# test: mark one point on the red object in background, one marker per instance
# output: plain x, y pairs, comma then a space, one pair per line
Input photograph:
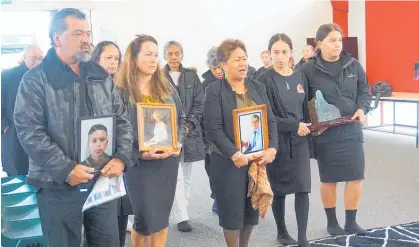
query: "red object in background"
340, 14
392, 43
245, 144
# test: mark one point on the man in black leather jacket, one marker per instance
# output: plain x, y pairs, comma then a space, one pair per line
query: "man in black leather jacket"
51, 100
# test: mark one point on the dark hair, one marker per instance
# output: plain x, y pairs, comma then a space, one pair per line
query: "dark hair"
98, 127
172, 42
59, 24
277, 37
126, 77
97, 52
227, 47
256, 116
325, 29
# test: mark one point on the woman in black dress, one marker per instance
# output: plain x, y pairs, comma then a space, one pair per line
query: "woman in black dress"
108, 55
151, 182
290, 171
229, 167
339, 150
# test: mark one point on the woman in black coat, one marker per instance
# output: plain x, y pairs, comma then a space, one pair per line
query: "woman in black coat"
339, 150
290, 171
229, 167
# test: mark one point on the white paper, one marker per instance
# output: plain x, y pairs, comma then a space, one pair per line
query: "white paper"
105, 190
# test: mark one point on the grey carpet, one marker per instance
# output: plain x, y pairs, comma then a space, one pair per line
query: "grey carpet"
390, 197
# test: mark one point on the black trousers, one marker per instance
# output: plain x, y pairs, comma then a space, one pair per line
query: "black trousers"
208, 170
61, 217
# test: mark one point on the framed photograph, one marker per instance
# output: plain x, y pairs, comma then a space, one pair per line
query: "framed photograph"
251, 129
156, 127
97, 140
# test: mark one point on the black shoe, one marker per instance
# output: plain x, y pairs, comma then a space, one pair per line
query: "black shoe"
355, 229
336, 230
285, 239
184, 226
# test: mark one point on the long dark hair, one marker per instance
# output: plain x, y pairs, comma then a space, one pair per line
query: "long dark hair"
97, 52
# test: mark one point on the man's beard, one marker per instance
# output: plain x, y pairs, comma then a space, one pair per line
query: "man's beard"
82, 57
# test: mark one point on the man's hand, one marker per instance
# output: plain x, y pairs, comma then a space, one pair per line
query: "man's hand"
114, 168
80, 174
360, 115
303, 129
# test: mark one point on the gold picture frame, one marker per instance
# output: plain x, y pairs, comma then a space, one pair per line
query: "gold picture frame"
156, 127
250, 125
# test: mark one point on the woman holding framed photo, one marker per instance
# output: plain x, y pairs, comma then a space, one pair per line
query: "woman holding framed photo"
290, 171
151, 183
229, 166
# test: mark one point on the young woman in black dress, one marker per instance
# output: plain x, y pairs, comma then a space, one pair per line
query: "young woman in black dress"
339, 150
151, 182
229, 167
290, 171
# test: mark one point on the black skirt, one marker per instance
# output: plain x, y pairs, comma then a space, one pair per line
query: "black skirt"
291, 175
230, 183
341, 161
151, 187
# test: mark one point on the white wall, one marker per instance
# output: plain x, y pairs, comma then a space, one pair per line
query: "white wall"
199, 25
356, 26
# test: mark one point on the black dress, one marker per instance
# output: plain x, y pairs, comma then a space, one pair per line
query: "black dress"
290, 171
339, 150
151, 184
230, 182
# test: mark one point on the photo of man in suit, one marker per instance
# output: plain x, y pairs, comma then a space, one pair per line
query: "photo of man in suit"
255, 142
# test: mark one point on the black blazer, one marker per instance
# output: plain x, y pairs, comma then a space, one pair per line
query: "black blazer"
220, 101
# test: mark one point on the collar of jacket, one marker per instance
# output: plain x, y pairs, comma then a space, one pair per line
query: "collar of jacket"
61, 75
209, 76
167, 68
251, 90
346, 59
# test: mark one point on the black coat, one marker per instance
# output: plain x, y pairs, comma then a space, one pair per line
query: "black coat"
208, 79
349, 91
14, 159
220, 101
192, 96
47, 115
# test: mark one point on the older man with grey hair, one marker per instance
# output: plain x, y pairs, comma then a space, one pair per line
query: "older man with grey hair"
14, 158
52, 99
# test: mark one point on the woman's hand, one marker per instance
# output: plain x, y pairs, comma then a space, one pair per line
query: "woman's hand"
360, 115
265, 157
153, 155
176, 152
303, 129
239, 159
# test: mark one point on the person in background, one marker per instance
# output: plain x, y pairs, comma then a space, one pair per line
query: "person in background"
14, 159
308, 52
251, 73
214, 73
290, 171
108, 55
265, 56
49, 106
339, 150
151, 182
229, 166
192, 95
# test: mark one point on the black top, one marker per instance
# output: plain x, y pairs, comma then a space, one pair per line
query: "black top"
220, 101
292, 93
333, 67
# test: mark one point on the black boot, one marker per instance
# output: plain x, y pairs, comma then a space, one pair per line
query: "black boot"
351, 226
278, 209
333, 227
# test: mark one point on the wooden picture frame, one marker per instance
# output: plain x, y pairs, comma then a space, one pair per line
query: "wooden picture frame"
245, 122
87, 124
157, 128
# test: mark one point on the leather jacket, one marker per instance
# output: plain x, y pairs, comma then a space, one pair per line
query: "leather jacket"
47, 116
